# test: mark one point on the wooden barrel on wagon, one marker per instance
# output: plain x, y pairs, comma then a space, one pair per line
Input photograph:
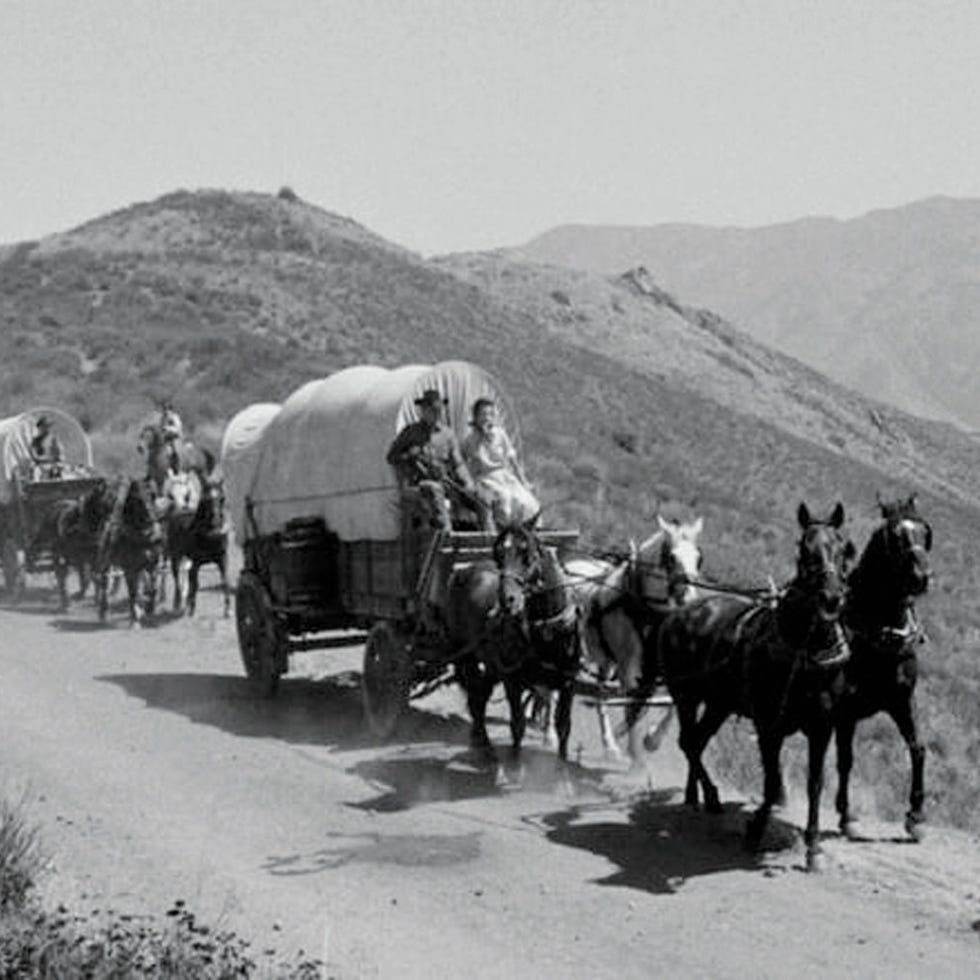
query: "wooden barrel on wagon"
28, 489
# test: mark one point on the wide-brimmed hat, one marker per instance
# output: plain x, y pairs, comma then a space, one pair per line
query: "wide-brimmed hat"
431, 398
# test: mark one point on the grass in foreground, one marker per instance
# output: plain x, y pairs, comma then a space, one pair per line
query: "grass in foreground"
40, 944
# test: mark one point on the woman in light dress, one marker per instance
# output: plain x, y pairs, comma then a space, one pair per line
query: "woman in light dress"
495, 468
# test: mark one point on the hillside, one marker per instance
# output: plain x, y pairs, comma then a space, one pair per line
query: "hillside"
631, 402
888, 303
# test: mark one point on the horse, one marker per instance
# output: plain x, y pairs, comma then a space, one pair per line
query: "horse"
164, 457
195, 529
884, 634
72, 529
623, 604
779, 662
512, 621
132, 540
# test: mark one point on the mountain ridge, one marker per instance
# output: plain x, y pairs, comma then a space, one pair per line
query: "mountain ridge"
884, 302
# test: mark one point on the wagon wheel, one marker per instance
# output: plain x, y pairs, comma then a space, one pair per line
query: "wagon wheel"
386, 680
260, 638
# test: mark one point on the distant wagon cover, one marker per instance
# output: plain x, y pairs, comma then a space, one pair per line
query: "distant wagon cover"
16, 434
322, 453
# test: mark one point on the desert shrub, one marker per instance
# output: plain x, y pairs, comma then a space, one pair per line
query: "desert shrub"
21, 859
626, 441
286, 193
47, 945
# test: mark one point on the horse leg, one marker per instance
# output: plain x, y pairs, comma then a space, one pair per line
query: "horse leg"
904, 714
544, 714
687, 718
152, 576
175, 560
770, 746
132, 577
818, 738
61, 574
222, 563
102, 593
610, 746
844, 736
694, 736
563, 718
478, 689
83, 578
192, 574
518, 721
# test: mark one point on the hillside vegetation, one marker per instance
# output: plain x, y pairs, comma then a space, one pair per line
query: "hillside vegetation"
888, 303
631, 402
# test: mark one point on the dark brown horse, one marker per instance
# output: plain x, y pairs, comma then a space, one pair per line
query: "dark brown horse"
884, 634
72, 530
132, 540
779, 662
199, 535
511, 621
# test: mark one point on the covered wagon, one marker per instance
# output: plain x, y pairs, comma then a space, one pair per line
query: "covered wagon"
330, 538
29, 489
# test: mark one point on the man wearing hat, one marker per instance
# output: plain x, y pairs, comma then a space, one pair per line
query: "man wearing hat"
45, 448
426, 455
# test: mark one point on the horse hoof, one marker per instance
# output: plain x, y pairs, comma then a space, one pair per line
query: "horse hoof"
915, 829
815, 862
850, 829
509, 775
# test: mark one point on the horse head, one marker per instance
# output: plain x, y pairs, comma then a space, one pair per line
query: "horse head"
515, 553
822, 561
138, 513
681, 559
668, 561
183, 492
96, 505
211, 510
904, 540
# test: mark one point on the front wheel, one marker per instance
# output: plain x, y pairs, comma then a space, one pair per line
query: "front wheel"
260, 637
386, 680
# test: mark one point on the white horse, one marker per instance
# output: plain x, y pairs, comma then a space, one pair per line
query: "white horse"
621, 606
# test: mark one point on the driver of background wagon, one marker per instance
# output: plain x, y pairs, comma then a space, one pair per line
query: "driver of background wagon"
426, 454
45, 448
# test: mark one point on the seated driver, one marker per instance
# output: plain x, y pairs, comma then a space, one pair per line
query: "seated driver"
426, 454
45, 448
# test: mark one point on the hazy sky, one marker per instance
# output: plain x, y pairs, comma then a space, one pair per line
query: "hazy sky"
457, 124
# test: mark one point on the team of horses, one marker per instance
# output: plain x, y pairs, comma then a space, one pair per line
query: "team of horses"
835, 645
138, 526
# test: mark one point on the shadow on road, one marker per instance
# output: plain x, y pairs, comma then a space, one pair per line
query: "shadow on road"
412, 780
407, 850
664, 843
305, 711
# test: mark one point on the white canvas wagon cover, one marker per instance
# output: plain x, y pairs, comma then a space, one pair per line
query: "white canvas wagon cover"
16, 434
323, 454
240, 448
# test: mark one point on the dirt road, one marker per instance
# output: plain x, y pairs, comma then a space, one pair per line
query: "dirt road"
156, 776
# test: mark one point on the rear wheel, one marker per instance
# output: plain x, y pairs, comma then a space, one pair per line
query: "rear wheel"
260, 638
386, 680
